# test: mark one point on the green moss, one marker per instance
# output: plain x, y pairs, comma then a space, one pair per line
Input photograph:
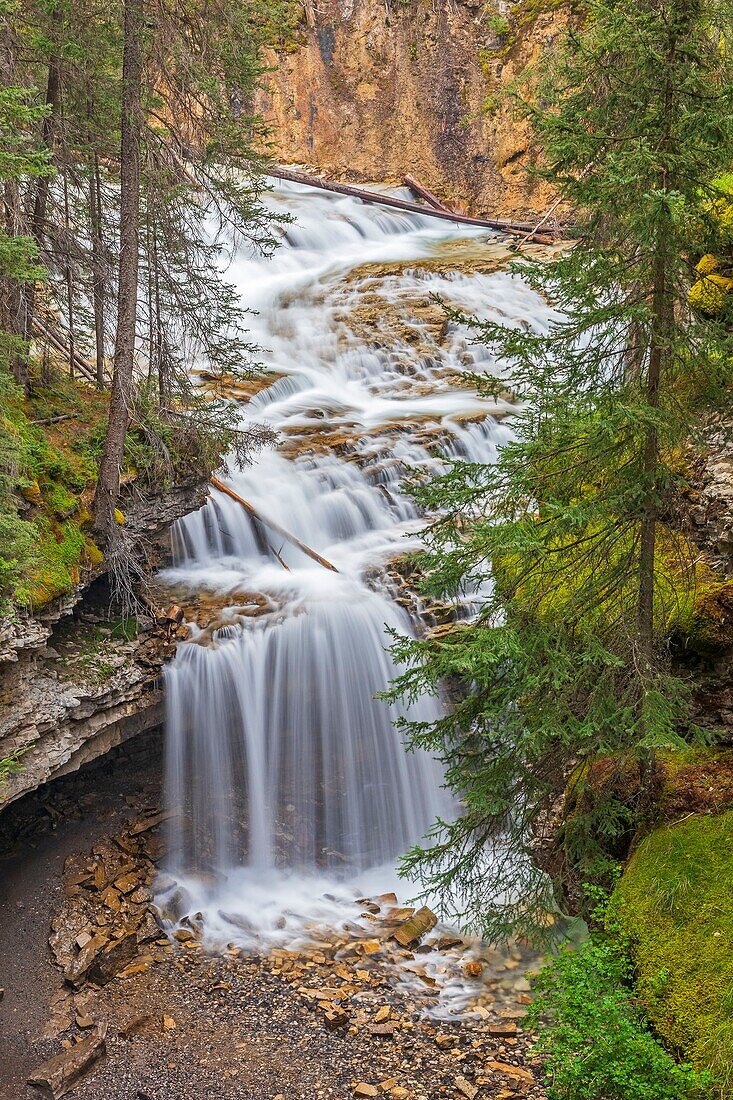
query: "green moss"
675, 905
60, 501
56, 567
44, 470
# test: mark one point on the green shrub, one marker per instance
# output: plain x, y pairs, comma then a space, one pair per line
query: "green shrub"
595, 1035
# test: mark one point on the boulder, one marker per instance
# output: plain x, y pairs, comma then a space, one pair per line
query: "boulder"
58, 1075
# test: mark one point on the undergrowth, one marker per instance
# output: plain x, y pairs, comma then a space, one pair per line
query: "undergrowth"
48, 472
594, 1032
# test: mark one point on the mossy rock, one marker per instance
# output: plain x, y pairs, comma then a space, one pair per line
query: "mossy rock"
711, 294
674, 902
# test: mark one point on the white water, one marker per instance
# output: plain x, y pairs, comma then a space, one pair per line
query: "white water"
289, 772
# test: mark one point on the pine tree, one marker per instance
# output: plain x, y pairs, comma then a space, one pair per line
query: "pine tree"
588, 578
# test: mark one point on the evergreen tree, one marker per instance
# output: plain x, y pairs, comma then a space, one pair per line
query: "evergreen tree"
569, 658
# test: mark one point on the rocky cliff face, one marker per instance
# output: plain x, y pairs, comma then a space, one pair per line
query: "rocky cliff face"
75, 683
380, 88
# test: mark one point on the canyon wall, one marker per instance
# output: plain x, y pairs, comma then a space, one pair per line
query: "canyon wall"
375, 89
75, 683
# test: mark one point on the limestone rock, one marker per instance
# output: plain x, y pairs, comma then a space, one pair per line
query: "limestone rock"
415, 928
58, 1075
466, 1088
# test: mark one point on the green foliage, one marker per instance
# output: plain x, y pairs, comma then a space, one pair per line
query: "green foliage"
10, 765
594, 1033
675, 905
43, 473
582, 581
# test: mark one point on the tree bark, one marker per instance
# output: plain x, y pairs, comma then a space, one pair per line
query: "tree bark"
11, 294
98, 266
108, 485
648, 527
40, 203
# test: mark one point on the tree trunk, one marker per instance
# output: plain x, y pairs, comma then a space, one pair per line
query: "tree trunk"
98, 266
11, 293
40, 203
648, 527
108, 485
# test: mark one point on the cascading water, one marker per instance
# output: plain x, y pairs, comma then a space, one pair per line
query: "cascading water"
281, 760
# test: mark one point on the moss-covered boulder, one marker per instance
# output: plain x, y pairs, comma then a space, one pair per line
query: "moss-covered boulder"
675, 904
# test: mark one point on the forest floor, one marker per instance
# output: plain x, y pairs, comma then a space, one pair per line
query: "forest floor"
180, 1023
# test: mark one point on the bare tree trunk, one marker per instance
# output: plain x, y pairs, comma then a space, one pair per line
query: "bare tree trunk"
108, 485
98, 266
12, 320
69, 281
40, 204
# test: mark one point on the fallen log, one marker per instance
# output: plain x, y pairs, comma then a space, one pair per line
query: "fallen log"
55, 419
57, 341
429, 197
398, 204
250, 508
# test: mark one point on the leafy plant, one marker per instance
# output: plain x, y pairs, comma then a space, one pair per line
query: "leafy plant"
595, 1036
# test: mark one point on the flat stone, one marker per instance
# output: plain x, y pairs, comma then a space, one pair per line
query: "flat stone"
58, 1075
504, 1030
101, 959
365, 1090
466, 1088
77, 969
507, 1070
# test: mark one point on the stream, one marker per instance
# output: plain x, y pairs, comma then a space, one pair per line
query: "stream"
298, 793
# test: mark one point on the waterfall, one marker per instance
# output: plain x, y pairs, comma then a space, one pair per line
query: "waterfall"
281, 750
281, 759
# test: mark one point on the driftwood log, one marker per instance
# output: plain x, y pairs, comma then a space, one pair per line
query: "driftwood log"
256, 514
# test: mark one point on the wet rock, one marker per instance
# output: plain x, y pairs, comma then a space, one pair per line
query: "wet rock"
127, 883
178, 904
57, 1076
101, 959
152, 821
77, 970
148, 929
164, 883
415, 928
506, 1029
